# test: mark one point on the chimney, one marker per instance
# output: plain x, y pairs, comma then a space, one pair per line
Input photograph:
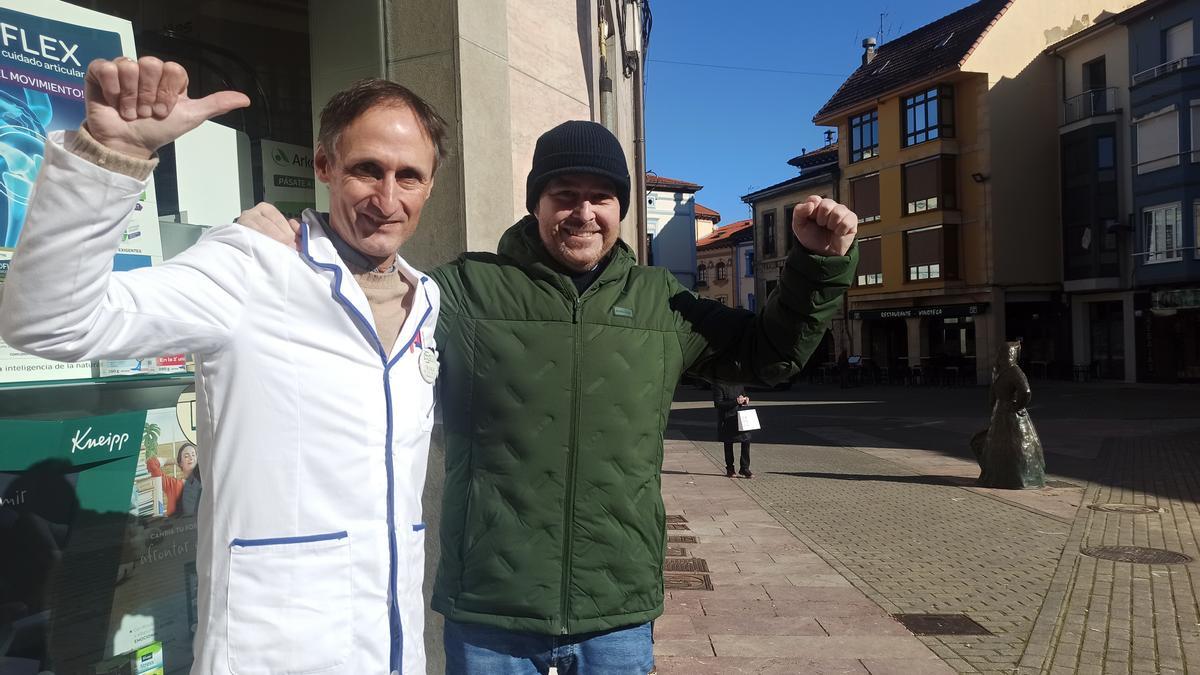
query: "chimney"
868, 50
828, 137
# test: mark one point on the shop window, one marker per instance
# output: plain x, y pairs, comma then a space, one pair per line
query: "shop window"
768, 229
864, 197
721, 275
1163, 230
1157, 141
931, 253
864, 136
930, 184
928, 115
870, 262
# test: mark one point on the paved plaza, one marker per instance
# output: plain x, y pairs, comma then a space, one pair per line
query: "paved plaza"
863, 507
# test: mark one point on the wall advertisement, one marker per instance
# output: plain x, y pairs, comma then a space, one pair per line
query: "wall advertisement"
288, 179
45, 46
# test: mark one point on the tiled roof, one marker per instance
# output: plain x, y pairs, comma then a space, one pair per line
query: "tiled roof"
816, 157
655, 182
733, 233
706, 213
937, 47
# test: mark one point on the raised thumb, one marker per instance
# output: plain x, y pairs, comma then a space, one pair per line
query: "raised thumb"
220, 103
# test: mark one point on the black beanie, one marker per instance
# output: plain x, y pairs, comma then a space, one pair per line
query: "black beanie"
577, 146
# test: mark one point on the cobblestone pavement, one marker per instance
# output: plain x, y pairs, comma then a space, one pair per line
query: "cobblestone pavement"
1116, 617
914, 543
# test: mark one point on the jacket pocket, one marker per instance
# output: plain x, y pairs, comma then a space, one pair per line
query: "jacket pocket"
289, 604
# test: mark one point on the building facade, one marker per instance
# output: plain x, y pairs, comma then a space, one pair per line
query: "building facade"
671, 226
717, 264
946, 155
745, 291
1095, 199
706, 221
1164, 109
773, 239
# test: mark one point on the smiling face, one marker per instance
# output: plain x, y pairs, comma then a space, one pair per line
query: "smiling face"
579, 218
187, 459
379, 179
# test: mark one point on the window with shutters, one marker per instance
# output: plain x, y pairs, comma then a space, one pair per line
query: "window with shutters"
1163, 233
1157, 141
870, 261
1177, 42
930, 184
768, 230
864, 197
931, 253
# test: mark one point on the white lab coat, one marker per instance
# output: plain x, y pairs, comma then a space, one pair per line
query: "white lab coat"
304, 424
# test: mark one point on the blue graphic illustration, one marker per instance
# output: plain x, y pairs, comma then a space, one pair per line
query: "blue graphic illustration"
41, 90
23, 124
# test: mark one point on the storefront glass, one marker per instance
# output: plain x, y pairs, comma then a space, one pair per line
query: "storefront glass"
100, 473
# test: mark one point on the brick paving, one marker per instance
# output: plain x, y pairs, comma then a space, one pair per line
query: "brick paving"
1114, 617
776, 606
915, 543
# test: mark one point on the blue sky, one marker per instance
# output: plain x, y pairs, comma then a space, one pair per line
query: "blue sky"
733, 131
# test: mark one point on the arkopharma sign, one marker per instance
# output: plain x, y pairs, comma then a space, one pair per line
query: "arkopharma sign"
933, 311
288, 180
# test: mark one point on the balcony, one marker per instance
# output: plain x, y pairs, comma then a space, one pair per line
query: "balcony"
1169, 67
1089, 104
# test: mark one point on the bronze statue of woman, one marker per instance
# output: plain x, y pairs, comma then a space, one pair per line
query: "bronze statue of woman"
1009, 450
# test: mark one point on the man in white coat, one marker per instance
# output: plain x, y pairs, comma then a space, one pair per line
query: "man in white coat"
318, 363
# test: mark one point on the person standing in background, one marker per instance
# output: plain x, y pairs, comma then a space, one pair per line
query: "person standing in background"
728, 398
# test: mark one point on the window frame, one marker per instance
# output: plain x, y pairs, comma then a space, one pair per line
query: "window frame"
1143, 165
749, 255
858, 125
947, 197
875, 279
942, 97
854, 200
1156, 257
702, 273
932, 271
770, 245
722, 271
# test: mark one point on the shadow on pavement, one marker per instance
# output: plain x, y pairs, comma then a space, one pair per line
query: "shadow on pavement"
952, 481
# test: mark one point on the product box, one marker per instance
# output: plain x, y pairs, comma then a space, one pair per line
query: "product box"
145, 661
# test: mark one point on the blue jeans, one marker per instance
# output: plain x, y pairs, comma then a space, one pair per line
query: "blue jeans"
474, 649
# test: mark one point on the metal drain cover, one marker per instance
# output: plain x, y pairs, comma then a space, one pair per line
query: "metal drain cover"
676, 552
676, 519
681, 581
685, 565
681, 539
1137, 554
677, 526
1125, 508
941, 624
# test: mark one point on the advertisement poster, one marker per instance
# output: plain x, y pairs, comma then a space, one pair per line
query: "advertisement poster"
16, 366
44, 52
288, 179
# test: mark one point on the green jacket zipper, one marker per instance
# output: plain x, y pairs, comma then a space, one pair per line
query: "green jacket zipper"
569, 498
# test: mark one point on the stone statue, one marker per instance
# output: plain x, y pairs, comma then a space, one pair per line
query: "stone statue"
1009, 451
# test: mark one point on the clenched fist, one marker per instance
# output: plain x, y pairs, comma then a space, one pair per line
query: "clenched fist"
136, 107
824, 226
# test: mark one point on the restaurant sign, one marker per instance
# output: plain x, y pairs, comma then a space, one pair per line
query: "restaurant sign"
933, 312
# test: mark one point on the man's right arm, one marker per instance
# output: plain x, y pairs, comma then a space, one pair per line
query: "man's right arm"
61, 299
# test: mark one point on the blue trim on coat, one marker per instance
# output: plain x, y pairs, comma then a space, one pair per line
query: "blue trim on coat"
290, 540
397, 631
417, 527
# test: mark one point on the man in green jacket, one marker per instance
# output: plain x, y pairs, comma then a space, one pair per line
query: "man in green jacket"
559, 358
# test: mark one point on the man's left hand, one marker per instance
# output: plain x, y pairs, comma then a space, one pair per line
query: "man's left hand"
824, 226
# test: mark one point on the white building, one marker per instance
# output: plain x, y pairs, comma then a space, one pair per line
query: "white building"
671, 226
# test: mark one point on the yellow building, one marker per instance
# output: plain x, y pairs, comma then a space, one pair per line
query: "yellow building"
948, 149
